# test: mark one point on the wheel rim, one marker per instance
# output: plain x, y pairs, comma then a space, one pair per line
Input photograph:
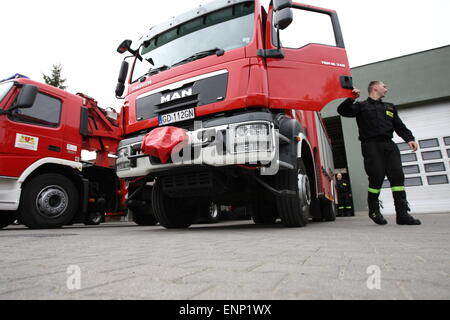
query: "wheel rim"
213, 211
304, 190
52, 201
96, 218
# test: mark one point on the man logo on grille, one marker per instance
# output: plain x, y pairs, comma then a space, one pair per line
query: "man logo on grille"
177, 95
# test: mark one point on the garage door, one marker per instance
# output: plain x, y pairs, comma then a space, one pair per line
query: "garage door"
427, 171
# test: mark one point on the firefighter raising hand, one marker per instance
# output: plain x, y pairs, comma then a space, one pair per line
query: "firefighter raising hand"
413, 145
377, 121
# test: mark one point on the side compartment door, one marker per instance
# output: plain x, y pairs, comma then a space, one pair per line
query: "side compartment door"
313, 69
326, 153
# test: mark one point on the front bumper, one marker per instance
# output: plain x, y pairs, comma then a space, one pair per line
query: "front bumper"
249, 139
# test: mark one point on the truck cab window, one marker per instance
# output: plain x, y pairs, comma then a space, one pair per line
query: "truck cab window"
234, 24
46, 111
308, 27
4, 89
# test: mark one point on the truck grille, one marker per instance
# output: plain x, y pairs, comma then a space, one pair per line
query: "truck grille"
191, 95
179, 104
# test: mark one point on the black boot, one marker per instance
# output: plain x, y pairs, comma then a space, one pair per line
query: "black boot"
374, 212
403, 217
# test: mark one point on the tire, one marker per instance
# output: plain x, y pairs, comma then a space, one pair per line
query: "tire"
143, 216
263, 212
171, 213
93, 218
214, 213
48, 201
328, 210
294, 211
7, 218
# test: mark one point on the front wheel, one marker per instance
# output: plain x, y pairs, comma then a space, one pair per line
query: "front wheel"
48, 201
143, 216
329, 210
172, 213
294, 211
94, 218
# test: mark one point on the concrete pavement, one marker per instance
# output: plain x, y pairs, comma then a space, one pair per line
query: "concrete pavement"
351, 258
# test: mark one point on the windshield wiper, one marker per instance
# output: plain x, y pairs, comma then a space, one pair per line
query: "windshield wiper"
202, 54
151, 72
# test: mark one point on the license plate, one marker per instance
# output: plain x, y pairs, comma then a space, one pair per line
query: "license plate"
177, 116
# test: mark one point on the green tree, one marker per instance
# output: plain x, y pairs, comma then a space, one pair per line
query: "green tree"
55, 79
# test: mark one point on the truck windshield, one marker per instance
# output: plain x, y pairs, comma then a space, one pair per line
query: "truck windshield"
4, 89
226, 29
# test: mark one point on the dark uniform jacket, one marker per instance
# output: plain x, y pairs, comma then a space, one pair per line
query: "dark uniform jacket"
342, 186
376, 119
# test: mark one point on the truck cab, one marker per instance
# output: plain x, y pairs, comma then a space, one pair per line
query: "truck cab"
43, 181
247, 93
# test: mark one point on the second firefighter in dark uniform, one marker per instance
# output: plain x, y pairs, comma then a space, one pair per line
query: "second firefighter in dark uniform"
377, 120
344, 194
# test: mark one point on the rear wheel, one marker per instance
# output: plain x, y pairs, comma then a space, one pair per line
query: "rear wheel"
48, 201
7, 218
294, 210
172, 213
214, 212
140, 206
328, 209
94, 218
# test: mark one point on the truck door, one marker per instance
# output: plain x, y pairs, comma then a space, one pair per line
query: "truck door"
313, 68
31, 134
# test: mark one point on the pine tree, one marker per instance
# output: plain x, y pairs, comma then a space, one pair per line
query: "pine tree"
55, 79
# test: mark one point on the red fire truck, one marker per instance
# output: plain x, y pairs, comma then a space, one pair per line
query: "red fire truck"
43, 181
221, 108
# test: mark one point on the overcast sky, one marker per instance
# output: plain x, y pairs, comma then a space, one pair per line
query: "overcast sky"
83, 35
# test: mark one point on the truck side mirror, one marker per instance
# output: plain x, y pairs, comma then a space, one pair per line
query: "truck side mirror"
26, 97
120, 88
281, 4
124, 46
283, 18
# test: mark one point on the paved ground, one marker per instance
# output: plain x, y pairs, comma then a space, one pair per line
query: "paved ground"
233, 260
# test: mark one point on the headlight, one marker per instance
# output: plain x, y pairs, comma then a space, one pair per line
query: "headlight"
251, 130
123, 153
252, 137
122, 162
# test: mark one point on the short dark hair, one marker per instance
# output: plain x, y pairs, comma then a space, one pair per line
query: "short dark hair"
373, 84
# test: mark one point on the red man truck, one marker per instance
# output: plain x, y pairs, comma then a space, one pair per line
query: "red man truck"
43, 181
222, 106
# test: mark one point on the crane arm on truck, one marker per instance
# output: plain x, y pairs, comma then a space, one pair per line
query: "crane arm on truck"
100, 129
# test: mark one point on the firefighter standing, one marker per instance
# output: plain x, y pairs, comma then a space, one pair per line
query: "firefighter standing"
377, 120
344, 194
